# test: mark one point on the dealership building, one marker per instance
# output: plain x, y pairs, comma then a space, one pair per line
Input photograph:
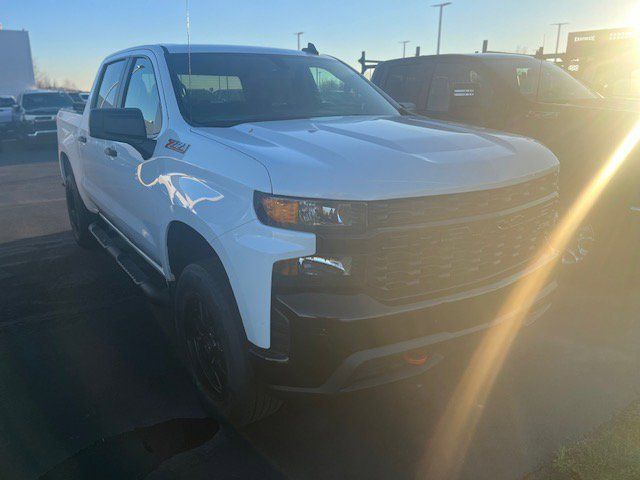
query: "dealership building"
16, 71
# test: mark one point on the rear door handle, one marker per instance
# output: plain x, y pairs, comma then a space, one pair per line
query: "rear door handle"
82, 139
110, 152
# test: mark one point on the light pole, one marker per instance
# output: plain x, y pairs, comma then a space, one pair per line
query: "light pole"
298, 34
441, 7
404, 47
559, 25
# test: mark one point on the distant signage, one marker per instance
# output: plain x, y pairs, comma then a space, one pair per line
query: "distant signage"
599, 41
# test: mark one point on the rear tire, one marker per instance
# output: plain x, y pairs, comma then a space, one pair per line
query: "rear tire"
79, 217
215, 348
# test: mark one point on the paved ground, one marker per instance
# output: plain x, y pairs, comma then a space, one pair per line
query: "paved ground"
87, 377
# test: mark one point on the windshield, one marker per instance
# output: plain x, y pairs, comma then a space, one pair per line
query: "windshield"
37, 101
540, 81
229, 89
7, 102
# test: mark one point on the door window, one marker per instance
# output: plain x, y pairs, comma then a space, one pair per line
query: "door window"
108, 91
445, 77
142, 93
405, 82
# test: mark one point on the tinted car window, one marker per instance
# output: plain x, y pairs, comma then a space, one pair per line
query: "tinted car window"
36, 101
406, 81
445, 77
142, 93
556, 85
536, 79
109, 85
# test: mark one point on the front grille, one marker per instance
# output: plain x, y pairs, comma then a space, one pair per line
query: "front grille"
421, 210
497, 232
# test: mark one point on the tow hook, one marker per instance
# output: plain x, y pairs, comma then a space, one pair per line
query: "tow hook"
415, 357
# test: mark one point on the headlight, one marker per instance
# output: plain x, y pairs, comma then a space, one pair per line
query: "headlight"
308, 214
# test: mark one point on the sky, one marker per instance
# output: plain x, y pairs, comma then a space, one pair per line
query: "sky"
70, 38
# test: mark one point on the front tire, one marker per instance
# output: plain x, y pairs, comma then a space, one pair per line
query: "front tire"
215, 347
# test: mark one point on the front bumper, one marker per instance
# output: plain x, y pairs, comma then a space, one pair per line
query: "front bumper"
330, 343
42, 133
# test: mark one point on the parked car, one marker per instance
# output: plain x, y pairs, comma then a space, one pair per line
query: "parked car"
528, 96
308, 243
7, 124
36, 114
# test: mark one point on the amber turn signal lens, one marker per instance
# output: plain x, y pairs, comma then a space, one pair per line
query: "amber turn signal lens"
280, 210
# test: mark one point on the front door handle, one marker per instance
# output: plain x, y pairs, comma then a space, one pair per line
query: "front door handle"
82, 139
110, 152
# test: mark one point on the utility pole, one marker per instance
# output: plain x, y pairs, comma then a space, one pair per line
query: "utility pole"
404, 47
298, 34
559, 25
441, 7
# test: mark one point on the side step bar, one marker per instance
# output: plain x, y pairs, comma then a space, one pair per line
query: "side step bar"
123, 258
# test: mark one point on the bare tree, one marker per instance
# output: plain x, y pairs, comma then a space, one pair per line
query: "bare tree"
45, 82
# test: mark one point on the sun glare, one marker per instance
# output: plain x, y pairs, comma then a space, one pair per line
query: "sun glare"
455, 430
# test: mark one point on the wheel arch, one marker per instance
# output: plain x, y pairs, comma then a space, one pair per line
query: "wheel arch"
65, 166
186, 243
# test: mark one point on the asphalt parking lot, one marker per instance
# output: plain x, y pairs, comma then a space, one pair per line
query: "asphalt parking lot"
88, 377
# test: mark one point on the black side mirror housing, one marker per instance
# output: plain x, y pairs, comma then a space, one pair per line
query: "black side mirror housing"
124, 125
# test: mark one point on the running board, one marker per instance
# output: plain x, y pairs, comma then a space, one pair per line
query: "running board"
125, 259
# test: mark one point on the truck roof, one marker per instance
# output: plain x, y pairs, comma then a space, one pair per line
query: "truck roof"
41, 90
203, 48
465, 55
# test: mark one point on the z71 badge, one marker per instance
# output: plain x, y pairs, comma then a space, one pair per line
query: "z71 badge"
177, 146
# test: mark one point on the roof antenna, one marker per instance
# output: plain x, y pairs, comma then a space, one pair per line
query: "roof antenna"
188, 58
310, 48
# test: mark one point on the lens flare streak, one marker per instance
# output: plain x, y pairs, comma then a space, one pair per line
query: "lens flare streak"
454, 432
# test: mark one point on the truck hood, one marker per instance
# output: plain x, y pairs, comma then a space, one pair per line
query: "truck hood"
371, 158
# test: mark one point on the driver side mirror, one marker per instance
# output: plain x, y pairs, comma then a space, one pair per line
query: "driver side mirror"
124, 125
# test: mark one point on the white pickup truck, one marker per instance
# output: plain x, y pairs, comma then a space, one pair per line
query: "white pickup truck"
310, 235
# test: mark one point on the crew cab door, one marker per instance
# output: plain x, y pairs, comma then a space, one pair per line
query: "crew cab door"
91, 150
460, 91
406, 81
127, 179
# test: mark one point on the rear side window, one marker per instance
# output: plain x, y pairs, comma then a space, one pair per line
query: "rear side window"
142, 93
405, 82
445, 77
108, 90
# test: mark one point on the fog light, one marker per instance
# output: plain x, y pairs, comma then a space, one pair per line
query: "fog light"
315, 266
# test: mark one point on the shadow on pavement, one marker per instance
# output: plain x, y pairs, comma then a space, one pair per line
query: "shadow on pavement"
82, 358
136, 453
13, 153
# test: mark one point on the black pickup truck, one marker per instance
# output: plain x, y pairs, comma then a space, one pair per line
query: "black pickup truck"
535, 98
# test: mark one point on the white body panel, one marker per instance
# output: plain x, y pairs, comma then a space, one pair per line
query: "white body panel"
211, 186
